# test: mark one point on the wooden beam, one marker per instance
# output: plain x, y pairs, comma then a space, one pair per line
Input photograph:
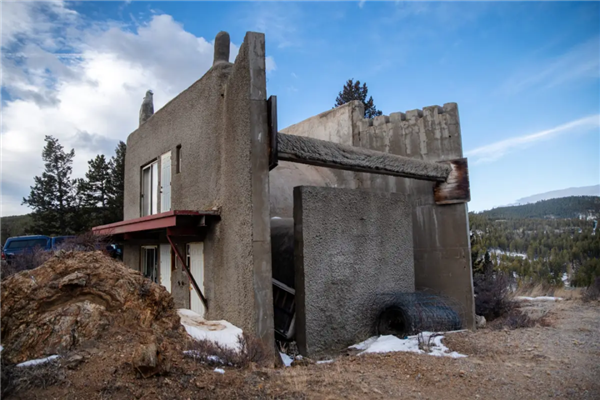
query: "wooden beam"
456, 188
189, 273
272, 121
322, 153
183, 231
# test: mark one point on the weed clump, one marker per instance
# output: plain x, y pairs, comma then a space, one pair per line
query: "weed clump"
250, 350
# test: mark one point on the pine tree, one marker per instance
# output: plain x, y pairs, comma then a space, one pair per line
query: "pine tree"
96, 189
117, 184
51, 196
354, 91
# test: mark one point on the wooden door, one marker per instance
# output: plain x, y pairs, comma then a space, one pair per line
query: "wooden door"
196, 260
165, 266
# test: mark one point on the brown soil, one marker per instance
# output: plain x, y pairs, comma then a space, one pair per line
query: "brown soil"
88, 302
558, 360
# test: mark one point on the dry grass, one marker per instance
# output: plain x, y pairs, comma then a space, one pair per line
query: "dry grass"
251, 351
542, 289
16, 379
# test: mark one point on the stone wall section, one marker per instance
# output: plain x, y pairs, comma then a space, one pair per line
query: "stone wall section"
440, 233
350, 247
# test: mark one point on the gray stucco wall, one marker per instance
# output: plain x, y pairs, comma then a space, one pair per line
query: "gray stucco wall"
441, 233
221, 124
350, 246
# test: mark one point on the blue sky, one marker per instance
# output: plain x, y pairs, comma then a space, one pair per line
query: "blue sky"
525, 76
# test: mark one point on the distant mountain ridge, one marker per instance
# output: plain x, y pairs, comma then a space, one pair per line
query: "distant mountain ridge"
564, 207
593, 190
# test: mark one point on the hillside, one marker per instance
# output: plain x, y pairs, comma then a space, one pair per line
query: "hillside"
541, 241
15, 225
565, 207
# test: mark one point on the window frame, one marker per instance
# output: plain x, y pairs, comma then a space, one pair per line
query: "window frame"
154, 186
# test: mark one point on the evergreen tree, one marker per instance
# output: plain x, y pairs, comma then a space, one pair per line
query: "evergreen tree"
51, 196
96, 189
117, 183
354, 91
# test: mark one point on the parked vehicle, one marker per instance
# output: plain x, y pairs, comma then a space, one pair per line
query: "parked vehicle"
58, 240
21, 244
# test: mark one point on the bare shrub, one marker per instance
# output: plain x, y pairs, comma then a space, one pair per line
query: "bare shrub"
25, 261
514, 319
16, 379
6, 384
592, 292
491, 295
426, 344
87, 241
251, 350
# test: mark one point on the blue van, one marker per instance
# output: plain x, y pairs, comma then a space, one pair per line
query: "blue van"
21, 244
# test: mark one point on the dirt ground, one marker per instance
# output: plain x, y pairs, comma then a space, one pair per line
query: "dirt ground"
561, 360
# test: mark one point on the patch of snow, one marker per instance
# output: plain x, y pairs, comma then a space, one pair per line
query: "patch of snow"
390, 343
219, 370
325, 362
197, 354
287, 360
539, 298
37, 361
221, 332
1, 348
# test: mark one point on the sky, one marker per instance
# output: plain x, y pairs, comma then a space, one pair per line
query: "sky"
525, 76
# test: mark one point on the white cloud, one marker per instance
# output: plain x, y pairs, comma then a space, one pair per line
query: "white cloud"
580, 62
495, 151
277, 21
83, 82
270, 64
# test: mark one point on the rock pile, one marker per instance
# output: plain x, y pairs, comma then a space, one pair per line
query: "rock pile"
84, 300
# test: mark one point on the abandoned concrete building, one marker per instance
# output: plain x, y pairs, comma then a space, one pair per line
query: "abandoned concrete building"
297, 232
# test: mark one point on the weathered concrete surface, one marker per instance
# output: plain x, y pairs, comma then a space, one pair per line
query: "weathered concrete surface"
333, 155
147, 108
288, 175
350, 247
220, 122
431, 134
333, 125
242, 282
441, 232
222, 45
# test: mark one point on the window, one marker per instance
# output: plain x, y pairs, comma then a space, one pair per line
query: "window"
178, 155
150, 189
26, 243
149, 265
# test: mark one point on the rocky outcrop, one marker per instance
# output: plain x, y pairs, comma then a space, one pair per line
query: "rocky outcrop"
78, 298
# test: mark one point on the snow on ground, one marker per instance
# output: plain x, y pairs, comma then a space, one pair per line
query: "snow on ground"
219, 370
287, 360
37, 361
390, 343
220, 332
540, 298
324, 362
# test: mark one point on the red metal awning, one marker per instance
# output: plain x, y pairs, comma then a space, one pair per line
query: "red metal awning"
169, 219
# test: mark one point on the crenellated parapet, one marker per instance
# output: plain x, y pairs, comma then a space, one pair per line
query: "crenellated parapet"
431, 133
